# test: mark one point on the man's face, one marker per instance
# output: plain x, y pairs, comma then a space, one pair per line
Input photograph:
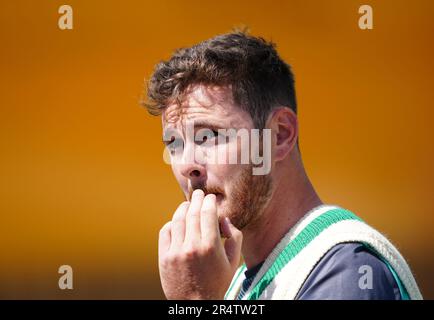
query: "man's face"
240, 195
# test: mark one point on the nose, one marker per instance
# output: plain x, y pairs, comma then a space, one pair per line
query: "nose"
193, 171
191, 167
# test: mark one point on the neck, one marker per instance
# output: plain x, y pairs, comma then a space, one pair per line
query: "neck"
293, 196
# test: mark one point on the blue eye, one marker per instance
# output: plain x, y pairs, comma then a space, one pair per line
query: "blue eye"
215, 133
221, 137
175, 145
209, 135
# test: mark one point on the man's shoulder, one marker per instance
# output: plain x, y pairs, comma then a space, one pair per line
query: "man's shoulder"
350, 271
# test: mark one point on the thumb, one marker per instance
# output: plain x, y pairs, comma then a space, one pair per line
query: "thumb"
233, 242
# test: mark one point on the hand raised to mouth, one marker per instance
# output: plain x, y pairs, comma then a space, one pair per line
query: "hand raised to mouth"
194, 263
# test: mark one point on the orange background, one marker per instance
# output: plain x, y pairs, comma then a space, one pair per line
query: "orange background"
83, 181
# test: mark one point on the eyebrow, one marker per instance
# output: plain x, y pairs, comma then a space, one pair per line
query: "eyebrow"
198, 124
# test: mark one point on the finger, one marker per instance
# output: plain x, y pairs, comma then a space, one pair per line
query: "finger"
233, 243
164, 239
192, 233
178, 226
209, 224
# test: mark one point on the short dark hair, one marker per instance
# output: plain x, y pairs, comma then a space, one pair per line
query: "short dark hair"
259, 78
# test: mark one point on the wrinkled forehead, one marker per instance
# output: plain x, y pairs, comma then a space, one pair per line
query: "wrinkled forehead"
214, 103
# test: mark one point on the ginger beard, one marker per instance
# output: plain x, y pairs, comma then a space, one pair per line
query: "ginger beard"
246, 199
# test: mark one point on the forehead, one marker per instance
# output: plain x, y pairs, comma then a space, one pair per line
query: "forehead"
206, 104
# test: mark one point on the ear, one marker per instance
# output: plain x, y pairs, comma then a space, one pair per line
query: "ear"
284, 130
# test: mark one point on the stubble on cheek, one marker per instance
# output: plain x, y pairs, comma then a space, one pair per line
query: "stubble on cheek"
248, 198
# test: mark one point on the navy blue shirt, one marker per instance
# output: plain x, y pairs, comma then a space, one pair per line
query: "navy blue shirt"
337, 276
